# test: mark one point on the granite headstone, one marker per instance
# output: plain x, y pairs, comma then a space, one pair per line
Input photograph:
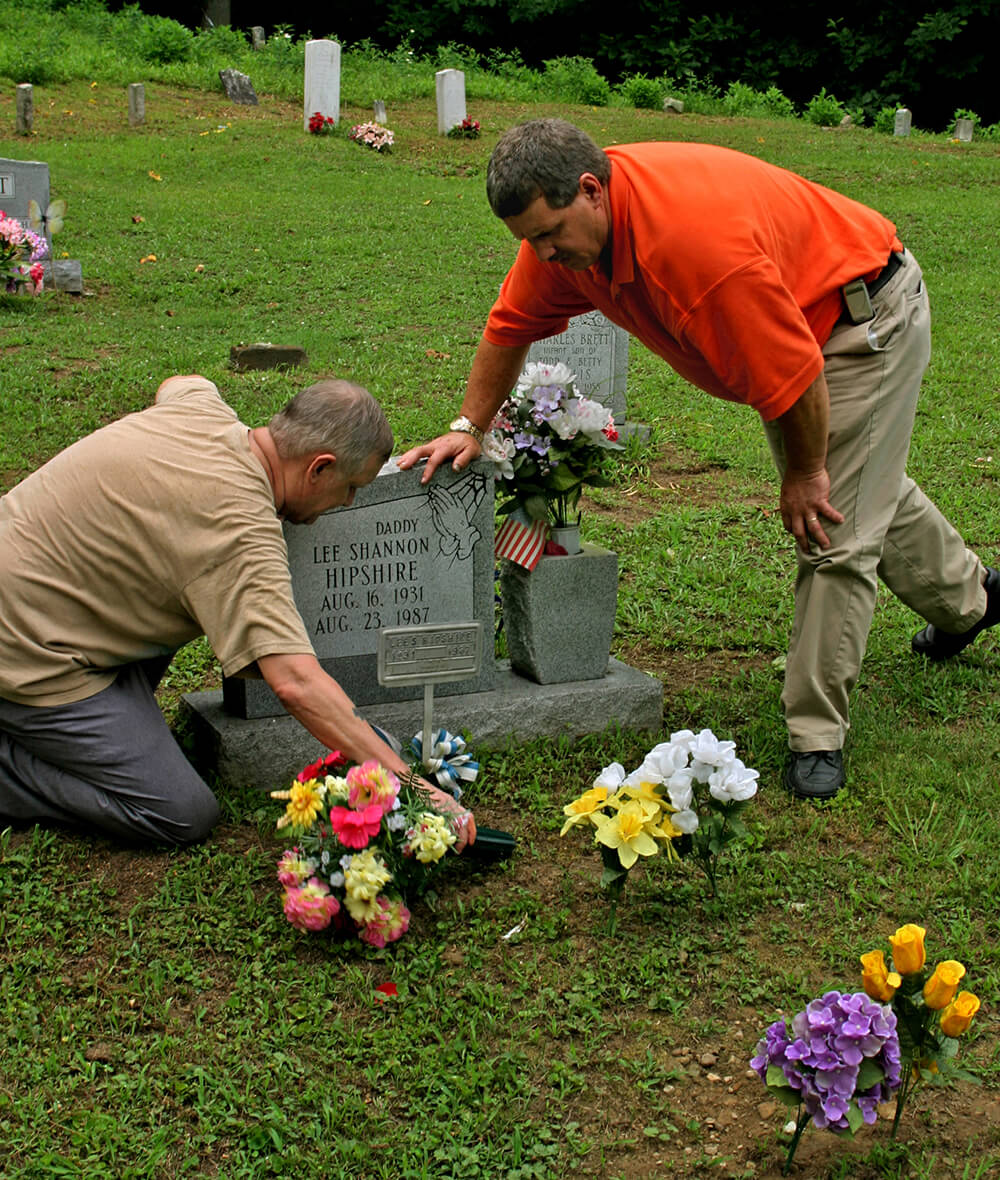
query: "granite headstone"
402, 554
20, 182
596, 350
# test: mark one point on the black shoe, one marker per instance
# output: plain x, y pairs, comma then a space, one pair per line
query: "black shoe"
816, 774
936, 644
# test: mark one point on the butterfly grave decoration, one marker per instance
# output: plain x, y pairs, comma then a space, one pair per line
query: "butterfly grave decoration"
51, 221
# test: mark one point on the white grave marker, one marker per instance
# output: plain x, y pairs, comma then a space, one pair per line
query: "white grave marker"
450, 88
322, 84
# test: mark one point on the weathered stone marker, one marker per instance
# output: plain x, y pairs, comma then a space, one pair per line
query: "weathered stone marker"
136, 104
264, 355
24, 119
238, 88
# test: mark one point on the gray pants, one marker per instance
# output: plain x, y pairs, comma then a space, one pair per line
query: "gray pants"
108, 762
891, 531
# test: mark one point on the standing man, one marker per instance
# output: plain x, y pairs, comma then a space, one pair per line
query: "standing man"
158, 528
760, 287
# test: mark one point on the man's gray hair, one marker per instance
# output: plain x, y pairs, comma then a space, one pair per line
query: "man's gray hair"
541, 158
335, 416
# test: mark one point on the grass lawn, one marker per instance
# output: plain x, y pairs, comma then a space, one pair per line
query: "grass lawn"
159, 1015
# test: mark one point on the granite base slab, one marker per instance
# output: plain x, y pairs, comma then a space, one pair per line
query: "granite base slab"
265, 752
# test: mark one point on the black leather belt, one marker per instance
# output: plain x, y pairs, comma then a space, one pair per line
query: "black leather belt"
885, 274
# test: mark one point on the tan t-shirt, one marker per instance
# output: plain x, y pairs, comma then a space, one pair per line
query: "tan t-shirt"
146, 534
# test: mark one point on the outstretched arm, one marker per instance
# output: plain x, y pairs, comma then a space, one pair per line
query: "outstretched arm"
318, 702
494, 374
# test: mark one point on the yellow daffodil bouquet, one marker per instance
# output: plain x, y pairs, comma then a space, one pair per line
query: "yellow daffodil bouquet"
686, 795
931, 1010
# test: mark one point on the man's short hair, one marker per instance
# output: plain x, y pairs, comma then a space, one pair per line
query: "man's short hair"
335, 416
541, 158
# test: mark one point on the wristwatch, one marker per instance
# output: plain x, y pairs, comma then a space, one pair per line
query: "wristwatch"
464, 426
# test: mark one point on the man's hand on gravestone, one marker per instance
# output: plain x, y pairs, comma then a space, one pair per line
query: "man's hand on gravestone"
459, 447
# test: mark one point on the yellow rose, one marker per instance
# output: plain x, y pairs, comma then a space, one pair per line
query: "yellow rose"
957, 1017
939, 990
908, 954
878, 981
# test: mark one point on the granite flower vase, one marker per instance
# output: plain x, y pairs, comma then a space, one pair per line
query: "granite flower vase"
559, 618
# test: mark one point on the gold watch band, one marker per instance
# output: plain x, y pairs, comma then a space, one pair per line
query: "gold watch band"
463, 425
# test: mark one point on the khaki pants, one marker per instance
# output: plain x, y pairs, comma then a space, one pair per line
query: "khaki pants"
891, 530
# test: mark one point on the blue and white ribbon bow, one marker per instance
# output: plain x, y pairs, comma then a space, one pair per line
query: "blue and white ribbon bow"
448, 761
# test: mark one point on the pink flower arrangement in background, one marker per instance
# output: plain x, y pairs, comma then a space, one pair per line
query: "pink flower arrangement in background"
372, 135
21, 254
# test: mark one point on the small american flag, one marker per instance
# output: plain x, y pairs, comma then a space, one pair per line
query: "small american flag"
522, 543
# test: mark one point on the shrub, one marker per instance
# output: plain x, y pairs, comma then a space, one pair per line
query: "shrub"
163, 40
963, 113
456, 57
885, 121
742, 100
38, 64
824, 110
640, 91
219, 42
575, 79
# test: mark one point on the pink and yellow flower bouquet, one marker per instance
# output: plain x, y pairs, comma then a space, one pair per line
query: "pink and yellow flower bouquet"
365, 844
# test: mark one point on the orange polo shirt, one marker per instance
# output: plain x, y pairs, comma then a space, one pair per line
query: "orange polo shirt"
727, 267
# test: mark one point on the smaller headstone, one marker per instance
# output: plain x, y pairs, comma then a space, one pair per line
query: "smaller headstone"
265, 355
64, 274
596, 350
322, 81
847, 121
379, 111
673, 105
964, 129
22, 181
238, 87
25, 118
903, 122
257, 38
449, 86
136, 104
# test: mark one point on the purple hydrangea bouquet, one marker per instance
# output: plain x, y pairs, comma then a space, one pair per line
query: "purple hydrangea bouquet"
839, 1061
547, 442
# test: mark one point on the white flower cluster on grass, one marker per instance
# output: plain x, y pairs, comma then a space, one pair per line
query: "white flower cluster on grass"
688, 758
